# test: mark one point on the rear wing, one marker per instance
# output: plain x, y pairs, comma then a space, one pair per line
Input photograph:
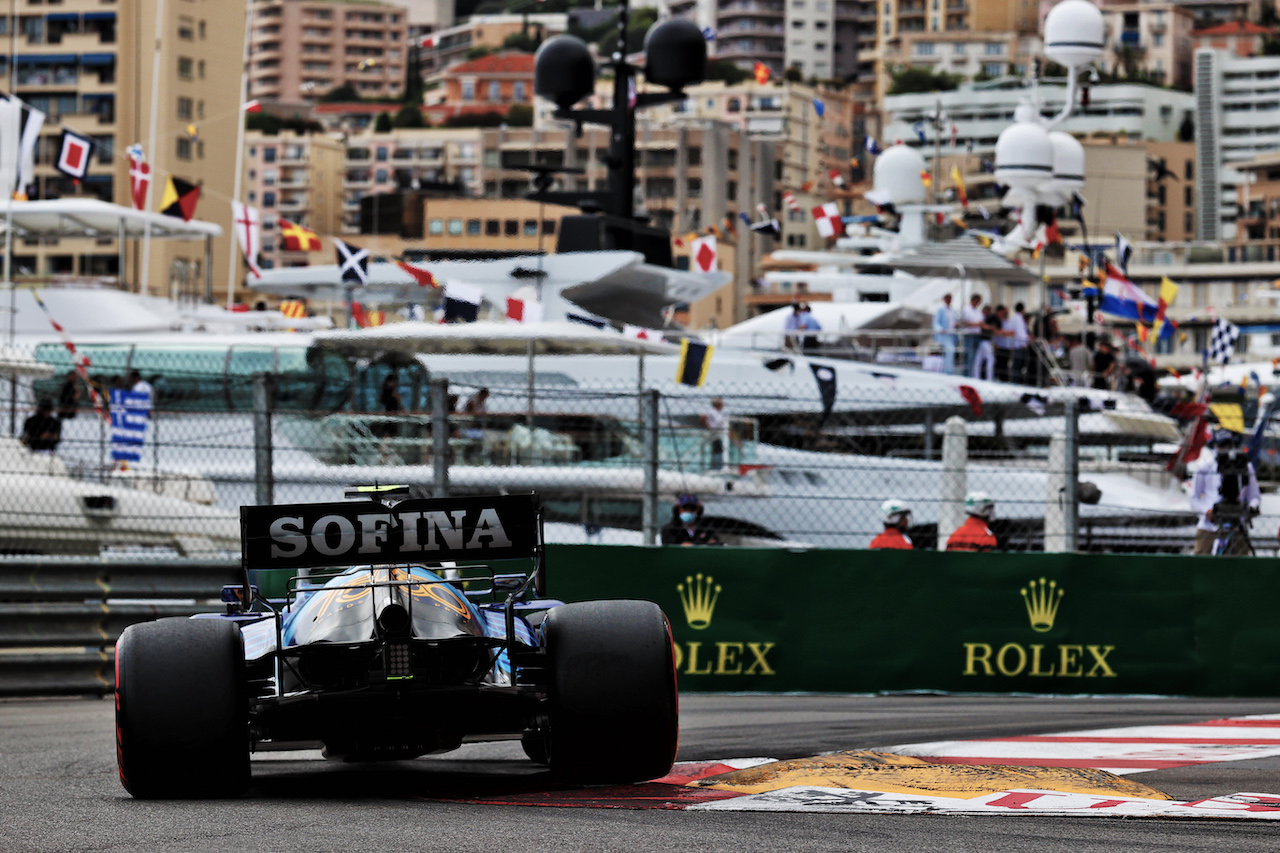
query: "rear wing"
322, 535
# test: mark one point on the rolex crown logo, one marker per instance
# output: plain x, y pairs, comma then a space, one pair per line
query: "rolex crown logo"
1042, 600
698, 596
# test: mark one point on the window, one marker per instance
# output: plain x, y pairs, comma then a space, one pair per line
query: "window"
268, 154
492, 228
993, 49
468, 90
183, 150
269, 199
381, 154
455, 227
473, 227
436, 228
185, 66
185, 110
495, 90
380, 176
518, 91
186, 29
959, 48
511, 227
531, 228
548, 226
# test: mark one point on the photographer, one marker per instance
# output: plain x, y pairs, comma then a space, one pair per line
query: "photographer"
1225, 492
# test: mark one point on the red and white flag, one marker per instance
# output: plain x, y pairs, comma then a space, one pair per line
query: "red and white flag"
827, 218
254, 106
789, 199
247, 222
837, 178
74, 154
139, 177
427, 41
523, 310
703, 254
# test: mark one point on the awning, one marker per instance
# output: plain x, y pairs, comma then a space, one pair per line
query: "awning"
99, 16
79, 217
97, 59
47, 59
62, 16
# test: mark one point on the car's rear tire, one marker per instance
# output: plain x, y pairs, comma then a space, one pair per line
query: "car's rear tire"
182, 727
614, 715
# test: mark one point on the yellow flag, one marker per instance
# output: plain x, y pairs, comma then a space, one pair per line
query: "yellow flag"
1230, 416
959, 182
1168, 293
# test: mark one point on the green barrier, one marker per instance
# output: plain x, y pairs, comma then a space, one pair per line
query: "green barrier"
868, 621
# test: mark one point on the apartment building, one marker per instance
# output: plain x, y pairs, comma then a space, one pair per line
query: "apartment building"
1242, 38
299, 178
971, 55
487, 84
76, 61
301, 49
1151, 37
450, 45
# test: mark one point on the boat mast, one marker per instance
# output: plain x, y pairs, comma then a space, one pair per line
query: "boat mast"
233, 265
144, 287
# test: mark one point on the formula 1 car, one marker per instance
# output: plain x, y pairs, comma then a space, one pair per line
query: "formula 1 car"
378, 651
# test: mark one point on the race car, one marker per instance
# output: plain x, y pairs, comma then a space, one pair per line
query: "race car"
390, 642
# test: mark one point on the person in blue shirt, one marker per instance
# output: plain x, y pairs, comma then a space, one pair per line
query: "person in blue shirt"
944, 332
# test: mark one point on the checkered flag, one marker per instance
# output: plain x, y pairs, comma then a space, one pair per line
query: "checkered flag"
1222, 341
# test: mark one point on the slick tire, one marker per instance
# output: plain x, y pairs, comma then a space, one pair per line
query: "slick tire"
614, 708
182, 727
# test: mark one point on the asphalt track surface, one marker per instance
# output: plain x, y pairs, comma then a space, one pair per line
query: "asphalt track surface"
59, 791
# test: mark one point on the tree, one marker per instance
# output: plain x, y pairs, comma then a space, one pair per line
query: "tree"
726, 70
911, 80
520, 115
525, 41
410, 115
488, 119
794, 74
638, 25
382, 124
478, 51
338, 94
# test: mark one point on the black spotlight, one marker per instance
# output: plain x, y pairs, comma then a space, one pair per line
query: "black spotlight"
563, 71
675, 54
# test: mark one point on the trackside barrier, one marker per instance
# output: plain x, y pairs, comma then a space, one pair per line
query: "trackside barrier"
60, 618
870, 621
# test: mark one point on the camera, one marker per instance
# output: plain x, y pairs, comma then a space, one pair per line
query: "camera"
1233, 467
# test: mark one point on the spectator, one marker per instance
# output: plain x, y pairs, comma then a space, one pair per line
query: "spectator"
478, 403
69, 396
897, 519
138, 385
685, 528
1079, 361
792, 326
42, 430
1104, 365
717, 423
944, 332
390, 399
1206, 493
974, 534
971, 317
1018, 340
984, 361
809, 324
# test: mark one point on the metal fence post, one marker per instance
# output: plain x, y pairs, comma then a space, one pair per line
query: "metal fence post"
1071, 505
955, 478
649, 503
440, 437
263, 402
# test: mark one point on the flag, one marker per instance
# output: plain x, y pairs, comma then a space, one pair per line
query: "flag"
918, 128
761, 72
641, 333
193, 132
825, 376
353, 262
1124, 251
80, 360
295, 238
294, 309
695, 361
873, 147
709, 33
366, 64
254, 106
1144, 332
819, 107
806, 186
702, 254
1222, 341
836, 177
746, 220
427, 41
523, 310
129, 416
1120, 297
462, 302
1037, 403
423, 277
247, 222
955, 131
139, 177
926, 178
1168, 292
358, 315
74, 154
958, 180
772, 227
970, 395
180, 199
27, 151
827, 218
789, 199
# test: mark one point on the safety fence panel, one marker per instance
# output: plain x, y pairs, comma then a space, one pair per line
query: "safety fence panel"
864, 621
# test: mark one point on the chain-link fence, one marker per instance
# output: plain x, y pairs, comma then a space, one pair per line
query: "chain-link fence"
609, 458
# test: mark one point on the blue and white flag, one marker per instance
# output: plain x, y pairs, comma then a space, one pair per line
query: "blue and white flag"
918, 127
1124, 251
130, 411
873, 147
1120, 297
709, 33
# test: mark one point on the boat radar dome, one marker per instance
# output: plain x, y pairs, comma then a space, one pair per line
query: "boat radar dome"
1074, 33
1068, 168
563, 71
675, 52
1024, 156
898, 172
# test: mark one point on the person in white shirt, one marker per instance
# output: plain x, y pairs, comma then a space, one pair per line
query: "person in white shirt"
1018, 341
944, 332
971, 318
1206, 493
717, 423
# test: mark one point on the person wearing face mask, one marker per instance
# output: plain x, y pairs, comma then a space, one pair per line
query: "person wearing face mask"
684, 527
